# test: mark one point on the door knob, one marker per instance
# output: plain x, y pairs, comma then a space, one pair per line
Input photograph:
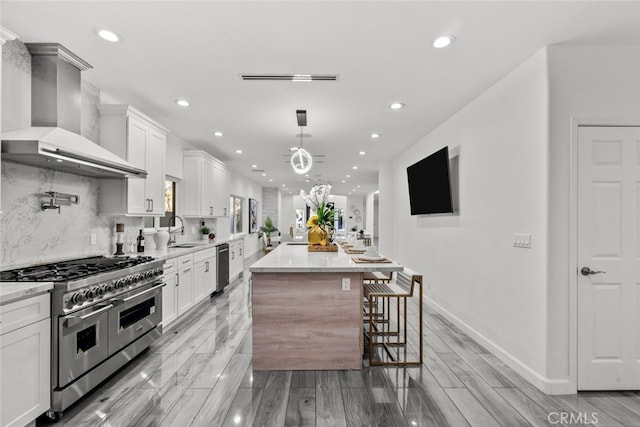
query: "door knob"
586, 271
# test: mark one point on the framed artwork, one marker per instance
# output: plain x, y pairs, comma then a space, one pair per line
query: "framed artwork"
253, 215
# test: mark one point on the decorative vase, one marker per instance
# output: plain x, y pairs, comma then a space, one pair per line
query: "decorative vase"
317, 236
161, 238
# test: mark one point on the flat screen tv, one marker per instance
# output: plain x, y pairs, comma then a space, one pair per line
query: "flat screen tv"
430, 184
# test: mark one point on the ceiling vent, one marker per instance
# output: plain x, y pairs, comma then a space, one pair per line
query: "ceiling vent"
291, 77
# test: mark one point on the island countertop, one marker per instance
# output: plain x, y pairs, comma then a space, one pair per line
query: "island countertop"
295, 258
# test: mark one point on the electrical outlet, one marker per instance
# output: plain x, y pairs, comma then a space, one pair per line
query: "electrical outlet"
522, 240
94, 239
346, 284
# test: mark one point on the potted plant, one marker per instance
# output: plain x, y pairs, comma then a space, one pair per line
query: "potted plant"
267, 228
204, 232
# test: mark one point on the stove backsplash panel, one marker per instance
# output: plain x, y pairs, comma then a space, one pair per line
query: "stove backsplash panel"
31, 235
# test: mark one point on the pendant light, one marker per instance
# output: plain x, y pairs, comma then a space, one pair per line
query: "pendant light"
301, 160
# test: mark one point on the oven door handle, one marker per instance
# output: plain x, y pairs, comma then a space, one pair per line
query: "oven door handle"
119, 301
72, 321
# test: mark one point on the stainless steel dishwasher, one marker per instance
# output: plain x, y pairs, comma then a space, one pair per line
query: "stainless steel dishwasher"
222, 257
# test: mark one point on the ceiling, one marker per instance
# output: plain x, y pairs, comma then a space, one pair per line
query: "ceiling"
380, 51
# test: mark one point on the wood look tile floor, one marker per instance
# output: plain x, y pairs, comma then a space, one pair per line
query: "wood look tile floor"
200, 374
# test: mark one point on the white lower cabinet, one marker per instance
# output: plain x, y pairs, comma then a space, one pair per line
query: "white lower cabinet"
170, 292
25, 360
185, 283
204, 280
236, 259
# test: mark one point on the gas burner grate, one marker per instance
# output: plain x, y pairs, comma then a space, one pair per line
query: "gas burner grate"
71, 270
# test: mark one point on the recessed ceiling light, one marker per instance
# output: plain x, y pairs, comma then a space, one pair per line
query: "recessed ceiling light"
183, 102
107, 35
344, 180
239, 151
270, 179
264, 174
362, 153
354, 168
348, 176
283, 185
396, 105
358, 186
217, 133
254, 166
375, 135
443, 41
307, 180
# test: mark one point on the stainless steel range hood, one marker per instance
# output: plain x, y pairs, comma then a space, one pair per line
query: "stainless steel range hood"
54, 141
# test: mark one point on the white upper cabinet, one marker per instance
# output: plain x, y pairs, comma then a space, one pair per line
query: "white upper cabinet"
136, 138
205, 185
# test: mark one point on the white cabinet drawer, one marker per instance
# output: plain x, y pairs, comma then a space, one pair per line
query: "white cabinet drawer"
204, 255
170, 266
185, 261
24, 312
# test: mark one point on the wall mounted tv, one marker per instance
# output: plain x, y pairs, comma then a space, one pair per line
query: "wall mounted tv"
430, 184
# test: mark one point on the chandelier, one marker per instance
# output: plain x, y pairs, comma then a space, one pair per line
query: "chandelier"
301, 160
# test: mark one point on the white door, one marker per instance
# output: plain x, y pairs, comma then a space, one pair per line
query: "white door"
608, 258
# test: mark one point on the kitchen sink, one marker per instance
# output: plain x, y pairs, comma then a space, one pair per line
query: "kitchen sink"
181, 246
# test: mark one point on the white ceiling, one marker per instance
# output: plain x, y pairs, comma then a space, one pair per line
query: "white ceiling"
380, 50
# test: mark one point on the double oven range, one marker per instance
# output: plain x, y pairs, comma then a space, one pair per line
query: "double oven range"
104, 312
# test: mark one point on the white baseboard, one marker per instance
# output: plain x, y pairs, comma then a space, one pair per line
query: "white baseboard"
546, 385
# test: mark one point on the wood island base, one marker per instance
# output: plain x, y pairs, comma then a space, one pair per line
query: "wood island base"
305, 321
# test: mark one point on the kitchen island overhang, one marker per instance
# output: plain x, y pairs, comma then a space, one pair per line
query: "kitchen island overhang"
302, 317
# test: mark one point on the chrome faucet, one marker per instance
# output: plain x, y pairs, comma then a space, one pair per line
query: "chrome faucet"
172, 239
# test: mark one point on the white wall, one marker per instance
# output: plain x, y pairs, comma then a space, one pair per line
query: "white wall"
245, 188
596, 83
369, 225
471, 269
355, 213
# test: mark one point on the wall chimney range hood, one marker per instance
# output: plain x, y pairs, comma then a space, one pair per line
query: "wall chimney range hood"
53, 141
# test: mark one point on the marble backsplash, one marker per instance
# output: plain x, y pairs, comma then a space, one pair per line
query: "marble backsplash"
30, 235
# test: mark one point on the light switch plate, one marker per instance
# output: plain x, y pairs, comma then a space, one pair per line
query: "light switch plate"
346, 284
522, 240
93, 238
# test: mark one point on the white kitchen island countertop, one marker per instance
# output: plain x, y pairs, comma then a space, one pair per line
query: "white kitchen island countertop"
13, 291
288, 258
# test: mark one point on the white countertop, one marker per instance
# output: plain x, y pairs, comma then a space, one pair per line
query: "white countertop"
297, 259
12, 291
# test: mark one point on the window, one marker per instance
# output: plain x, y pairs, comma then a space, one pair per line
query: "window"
236, 214
169, 204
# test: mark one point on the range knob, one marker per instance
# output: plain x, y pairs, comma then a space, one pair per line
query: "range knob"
118, 283
149, 274
76, 298
87, 294
109, 287
98, 291
127, 280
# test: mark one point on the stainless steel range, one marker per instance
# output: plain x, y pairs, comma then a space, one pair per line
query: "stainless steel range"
105, 311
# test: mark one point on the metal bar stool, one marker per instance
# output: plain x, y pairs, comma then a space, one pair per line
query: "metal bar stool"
375, 277
379, 330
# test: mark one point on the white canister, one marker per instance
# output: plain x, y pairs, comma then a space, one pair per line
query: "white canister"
161, 238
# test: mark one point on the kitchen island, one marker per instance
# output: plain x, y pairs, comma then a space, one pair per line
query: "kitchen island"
307, 309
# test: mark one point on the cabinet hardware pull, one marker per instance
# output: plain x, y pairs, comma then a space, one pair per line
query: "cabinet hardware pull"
187, 270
